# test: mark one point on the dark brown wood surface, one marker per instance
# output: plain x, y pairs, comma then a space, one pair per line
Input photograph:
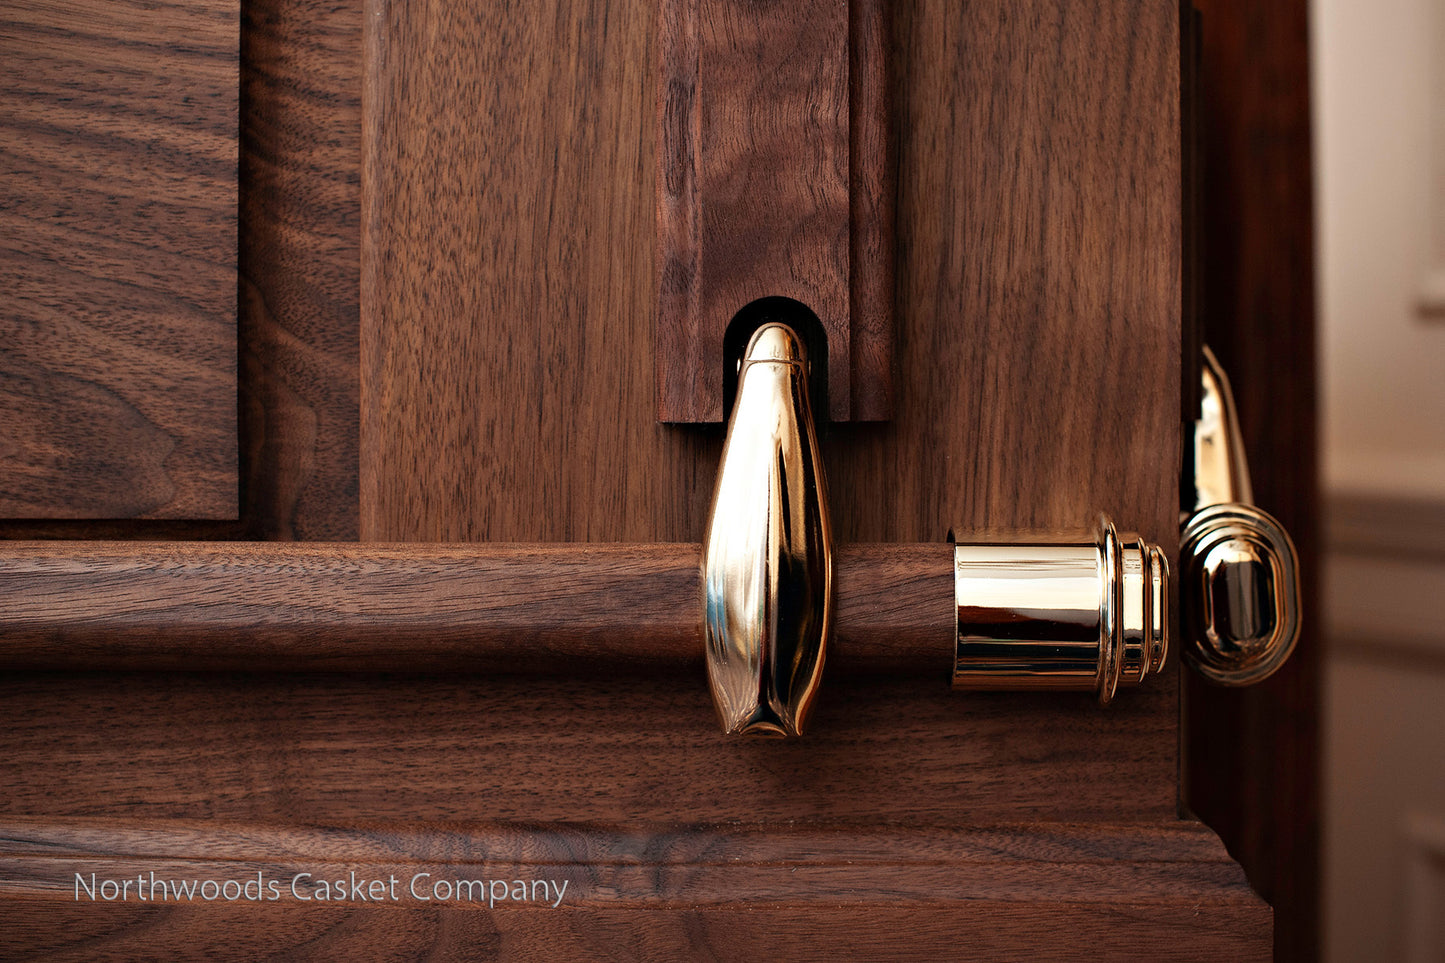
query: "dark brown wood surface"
507, 327
300, 258
986, 930
507, 281
1253, 754
774, 173
507, 333
478, 607
591, 745
508, 395
118, 150
732, 892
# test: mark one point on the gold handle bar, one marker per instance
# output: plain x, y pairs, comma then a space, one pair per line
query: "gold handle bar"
486, 607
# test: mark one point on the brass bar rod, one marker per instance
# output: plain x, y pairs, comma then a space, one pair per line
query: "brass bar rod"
271, 606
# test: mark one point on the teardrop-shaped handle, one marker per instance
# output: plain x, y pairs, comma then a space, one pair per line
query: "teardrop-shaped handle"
767, 559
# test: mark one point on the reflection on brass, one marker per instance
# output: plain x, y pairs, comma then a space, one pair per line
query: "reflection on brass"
767, 557
1091, 614
1239, 580
1221, 474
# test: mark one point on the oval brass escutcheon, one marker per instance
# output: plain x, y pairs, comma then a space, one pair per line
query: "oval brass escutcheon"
1238, 593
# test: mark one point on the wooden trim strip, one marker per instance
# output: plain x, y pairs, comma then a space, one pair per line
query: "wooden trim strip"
417, 607
668, 865
737, 84
1165, 891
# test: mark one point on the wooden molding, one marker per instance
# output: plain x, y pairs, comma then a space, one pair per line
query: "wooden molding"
1165, 891
1374, 524
368, 607
774, 180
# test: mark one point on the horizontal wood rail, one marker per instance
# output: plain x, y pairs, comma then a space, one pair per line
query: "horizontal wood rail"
1108, 891
268, 606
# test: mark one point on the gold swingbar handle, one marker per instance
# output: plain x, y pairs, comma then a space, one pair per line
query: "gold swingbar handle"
1087, 613
771, 597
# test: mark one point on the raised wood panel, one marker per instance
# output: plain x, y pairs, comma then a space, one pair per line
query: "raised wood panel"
775, 180
654, 893
118, 146
299, 293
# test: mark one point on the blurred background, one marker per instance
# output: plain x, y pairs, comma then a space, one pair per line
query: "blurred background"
1378, 77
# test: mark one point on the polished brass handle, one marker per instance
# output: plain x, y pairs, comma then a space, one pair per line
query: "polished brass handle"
768, 553
1239, 571
1085, 613
1090, 614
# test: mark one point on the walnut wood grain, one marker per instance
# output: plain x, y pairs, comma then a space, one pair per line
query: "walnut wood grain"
508, 394
584, 746
118, 259
300, 263
727, 892
507, 388
508, 327
348, 607
1039, 277
873, 204
298, 251
774, 180
985, 930
1038, 293
1253, 754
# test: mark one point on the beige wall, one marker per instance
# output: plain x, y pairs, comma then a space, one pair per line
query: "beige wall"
1379, 92
1380, 195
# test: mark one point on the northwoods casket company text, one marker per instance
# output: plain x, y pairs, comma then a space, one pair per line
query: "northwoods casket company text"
425, 887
